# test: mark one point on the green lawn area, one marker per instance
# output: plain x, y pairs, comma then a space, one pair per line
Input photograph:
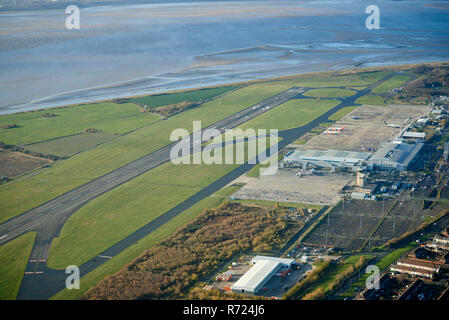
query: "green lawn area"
20, 196
116, 263
106, 116
326, 282
329, 93
393, 82
229, 190
371, 99
327, 79
341, 113
70, 145
158, 100
383, 264
14, 256
291, 114
121, 211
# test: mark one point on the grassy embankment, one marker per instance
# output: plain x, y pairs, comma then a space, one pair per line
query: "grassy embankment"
14, 256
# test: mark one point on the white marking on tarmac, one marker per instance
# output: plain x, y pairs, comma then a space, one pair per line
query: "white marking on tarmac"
3, 237
37, 216
107, 257
14, 227
93, 188
77, 196
57, 206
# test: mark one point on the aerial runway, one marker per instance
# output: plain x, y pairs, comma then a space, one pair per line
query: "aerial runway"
41, 282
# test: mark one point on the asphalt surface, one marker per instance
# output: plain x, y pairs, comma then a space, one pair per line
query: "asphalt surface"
41, 282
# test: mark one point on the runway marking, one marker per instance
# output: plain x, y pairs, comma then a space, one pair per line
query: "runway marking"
3, 237
57, 206
14, 227
42, 260
77, 196
37, 216
39, 272
93, 188
106, 257
34, 260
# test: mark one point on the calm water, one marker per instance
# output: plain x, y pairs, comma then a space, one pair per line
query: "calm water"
128, 50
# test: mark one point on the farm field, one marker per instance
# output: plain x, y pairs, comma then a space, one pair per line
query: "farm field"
15, 255
116, 263
13, 164
70, 145
109, 117
329, 93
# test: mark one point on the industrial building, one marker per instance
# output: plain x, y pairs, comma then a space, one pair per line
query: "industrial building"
395, 155
391, 155
260, 273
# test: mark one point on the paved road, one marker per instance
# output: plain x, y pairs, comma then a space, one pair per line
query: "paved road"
41, 282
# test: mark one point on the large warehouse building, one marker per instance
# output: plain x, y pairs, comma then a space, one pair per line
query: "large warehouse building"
260, 273
391, 155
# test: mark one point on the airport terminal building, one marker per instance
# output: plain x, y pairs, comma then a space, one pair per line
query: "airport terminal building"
391, 155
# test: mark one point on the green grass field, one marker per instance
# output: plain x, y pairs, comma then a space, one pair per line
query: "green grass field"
329, 93
229, 190
383, 264
158, 100
341, 113
14, 256
121, 211
371, 99
393, 82
291, 114
106, 116
328, 79
68, 174
117, 262
325, 283
70, 145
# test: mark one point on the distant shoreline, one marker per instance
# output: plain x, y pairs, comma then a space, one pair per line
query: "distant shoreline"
276, 78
